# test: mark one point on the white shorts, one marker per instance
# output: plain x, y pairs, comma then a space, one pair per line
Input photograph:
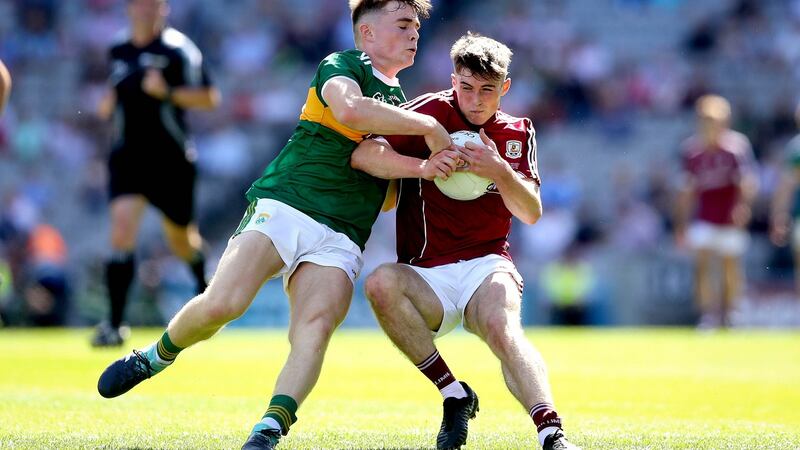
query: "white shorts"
455, 283
725, 240
299, 238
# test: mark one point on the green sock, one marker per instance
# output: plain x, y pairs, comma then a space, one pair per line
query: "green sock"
281, 410
162, 353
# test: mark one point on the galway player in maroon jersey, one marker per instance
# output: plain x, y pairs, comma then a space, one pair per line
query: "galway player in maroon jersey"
453, 262
719, 187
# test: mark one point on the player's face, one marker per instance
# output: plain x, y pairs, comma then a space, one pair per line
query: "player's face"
147, 12
478, 97
396, 33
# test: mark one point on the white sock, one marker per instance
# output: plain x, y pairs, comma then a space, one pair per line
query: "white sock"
454, 390
156, 363
546, 432
267, 423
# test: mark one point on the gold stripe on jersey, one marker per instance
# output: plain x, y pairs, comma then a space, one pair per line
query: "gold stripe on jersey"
315, 111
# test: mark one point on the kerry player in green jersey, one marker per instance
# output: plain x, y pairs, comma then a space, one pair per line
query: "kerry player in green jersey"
310, 214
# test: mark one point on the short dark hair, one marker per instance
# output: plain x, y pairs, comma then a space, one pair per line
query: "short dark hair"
361, 7
482, 56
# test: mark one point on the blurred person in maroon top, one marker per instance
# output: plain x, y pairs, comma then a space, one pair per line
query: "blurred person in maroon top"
453, 261
713, 207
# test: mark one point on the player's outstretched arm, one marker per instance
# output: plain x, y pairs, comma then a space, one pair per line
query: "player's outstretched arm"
379, 159
352, 109
5, 86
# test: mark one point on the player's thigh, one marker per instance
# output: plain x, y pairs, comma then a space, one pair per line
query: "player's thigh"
249, 260
496, 303
704, 257
731, 264
422, 295
318, 296
126, 214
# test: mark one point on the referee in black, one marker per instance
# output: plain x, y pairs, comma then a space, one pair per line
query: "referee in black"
156, 73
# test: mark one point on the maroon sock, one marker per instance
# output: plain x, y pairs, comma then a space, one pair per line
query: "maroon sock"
544, 416
436, 370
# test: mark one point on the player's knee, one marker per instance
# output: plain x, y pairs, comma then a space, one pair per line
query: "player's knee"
499, 332
319, 327
220, 310
379, 285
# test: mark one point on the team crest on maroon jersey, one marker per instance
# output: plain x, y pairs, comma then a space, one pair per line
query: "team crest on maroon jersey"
513, 149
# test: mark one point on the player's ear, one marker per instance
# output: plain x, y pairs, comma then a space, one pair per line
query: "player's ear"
365, 31
453, 80
506, 86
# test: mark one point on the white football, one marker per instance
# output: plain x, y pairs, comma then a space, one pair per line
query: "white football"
463, 185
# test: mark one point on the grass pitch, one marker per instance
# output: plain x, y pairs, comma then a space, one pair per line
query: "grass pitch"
615, 388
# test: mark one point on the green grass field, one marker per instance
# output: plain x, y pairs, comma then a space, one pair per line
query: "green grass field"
616, 389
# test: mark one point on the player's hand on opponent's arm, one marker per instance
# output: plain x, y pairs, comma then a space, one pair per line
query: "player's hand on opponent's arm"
440, 164
484, 159
438, 138
377, 158
154, 84
351, 108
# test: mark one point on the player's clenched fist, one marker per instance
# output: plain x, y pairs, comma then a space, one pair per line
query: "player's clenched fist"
440, 165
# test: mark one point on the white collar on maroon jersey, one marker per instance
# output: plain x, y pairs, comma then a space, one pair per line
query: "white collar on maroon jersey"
394, 82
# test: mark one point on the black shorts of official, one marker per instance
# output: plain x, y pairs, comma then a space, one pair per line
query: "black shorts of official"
166, 182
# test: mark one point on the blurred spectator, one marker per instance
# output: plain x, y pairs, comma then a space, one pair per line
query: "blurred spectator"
47, 295
567, 285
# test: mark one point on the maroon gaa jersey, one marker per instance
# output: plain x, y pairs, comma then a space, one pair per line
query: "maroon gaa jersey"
433, 229
715, 173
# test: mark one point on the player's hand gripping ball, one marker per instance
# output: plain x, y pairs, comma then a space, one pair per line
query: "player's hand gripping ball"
461, 184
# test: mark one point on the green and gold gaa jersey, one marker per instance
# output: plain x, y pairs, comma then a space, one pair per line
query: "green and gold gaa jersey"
312, 173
